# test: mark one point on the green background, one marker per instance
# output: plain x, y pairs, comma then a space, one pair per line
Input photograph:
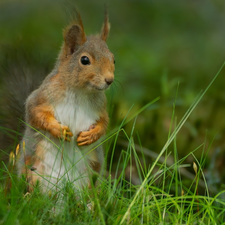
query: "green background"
157, 44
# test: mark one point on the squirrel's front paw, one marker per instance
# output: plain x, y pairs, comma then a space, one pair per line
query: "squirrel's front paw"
62, 132
90, 136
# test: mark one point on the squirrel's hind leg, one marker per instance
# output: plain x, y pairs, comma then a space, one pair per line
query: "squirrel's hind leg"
33, 168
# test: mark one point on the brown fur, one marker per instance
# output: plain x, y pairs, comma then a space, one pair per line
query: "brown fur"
105, 28
33, 164
96, 166
70, 75
95, 132
44, 119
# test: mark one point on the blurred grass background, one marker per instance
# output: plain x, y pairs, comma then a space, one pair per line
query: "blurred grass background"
157, 44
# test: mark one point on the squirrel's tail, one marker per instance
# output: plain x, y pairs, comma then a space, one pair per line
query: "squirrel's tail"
18, 78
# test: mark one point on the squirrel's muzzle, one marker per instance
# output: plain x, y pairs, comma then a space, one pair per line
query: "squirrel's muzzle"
109, 80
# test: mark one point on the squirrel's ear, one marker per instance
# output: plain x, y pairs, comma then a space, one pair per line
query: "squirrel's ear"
74, 36
105, 28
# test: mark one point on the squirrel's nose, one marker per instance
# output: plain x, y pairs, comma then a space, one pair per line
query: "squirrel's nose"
109, 80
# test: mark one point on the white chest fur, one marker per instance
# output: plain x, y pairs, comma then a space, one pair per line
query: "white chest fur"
78, 113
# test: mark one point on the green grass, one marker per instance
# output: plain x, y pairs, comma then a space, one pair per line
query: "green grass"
164, 196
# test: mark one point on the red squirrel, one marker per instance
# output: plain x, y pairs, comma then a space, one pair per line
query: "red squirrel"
68, 112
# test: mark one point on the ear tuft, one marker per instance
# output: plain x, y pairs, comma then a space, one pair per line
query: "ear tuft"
74, 36
105, 28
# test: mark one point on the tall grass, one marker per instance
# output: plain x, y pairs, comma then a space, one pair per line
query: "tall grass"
163, 197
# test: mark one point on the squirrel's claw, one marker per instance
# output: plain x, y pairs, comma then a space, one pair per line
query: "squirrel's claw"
84, 143
85, 138
62, 132
90, 136
66, 133
66, 139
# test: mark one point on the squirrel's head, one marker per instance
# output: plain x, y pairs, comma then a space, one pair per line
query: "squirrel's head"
85, 61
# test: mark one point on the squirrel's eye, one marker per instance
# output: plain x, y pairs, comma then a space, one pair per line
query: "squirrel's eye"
85, 60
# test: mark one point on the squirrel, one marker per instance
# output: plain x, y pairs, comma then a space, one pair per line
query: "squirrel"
67, 112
